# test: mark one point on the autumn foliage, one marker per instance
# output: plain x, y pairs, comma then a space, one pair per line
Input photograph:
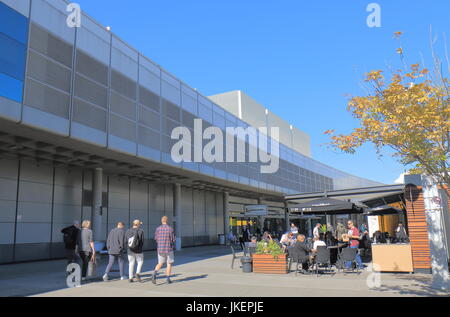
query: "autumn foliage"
409, 113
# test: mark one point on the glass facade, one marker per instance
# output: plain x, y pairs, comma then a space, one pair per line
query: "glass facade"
86, 83
13, 47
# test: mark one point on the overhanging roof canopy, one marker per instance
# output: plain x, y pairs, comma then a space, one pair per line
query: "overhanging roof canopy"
326, 205
366, 196
382, 210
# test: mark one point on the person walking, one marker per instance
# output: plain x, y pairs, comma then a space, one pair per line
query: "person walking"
86, 248
316, 231
135, 239
70, 238
116, 245
165, 239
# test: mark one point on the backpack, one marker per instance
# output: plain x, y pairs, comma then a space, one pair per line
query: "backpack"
133, 241
69, 238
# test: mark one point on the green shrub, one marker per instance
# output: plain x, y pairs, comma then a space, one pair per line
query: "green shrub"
270, 247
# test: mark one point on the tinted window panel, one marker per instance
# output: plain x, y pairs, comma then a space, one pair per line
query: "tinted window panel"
11, 88
12, 57
13, 24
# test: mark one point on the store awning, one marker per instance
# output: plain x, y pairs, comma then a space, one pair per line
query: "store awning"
382, 210
368, 197
326, 205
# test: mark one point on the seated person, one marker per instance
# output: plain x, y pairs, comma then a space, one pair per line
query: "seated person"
400, 234
252, 243
378, 237
318, 242
330, 240
266, 237
287, 240
299, 252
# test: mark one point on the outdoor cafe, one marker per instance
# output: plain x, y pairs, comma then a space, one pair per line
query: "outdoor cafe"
396, 231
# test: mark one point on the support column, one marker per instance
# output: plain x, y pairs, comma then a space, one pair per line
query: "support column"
286, 217
177, 214
97, 185
261, 218
226, 214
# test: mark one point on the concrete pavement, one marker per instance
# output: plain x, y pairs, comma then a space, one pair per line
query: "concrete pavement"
205, 271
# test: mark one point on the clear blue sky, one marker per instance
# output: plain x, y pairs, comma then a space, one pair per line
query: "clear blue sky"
302, 59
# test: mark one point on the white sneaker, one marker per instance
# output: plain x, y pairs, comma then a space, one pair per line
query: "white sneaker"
123, 278
105, 277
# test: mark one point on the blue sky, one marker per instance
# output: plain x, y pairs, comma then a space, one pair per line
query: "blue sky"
301, 59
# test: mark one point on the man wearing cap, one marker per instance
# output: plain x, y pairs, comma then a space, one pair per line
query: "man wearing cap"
165, 239
135, 239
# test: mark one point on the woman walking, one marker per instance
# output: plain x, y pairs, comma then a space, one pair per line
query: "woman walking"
86, 247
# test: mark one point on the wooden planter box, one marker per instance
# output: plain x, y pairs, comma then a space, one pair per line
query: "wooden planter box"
264, 263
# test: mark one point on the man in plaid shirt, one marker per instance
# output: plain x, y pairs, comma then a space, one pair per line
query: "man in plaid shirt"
165, 239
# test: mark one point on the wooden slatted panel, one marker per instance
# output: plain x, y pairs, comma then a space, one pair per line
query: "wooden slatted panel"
418, 230
267, 264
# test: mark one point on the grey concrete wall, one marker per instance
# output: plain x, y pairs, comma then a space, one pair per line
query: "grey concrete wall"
51, 198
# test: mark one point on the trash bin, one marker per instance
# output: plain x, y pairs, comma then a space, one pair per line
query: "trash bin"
221, 239
247, 266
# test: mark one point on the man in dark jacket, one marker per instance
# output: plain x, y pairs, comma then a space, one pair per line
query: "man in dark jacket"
135, 241
116, 245
70, 241
299, 252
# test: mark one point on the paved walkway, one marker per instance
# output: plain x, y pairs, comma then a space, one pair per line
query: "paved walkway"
205, 271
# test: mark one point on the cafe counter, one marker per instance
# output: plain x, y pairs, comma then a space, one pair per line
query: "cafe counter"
392, 257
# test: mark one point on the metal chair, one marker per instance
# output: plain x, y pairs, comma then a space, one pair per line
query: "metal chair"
235, 257
348, 255
249, 251
322, 258
294, 257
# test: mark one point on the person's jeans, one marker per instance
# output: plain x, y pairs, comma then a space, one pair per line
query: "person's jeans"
132, 259
112, 259
71, 256
358, 260
85, 258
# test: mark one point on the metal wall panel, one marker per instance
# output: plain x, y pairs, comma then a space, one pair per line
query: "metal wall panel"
156, 207
52, 18
92, 68
47, 99
49, 44
89, 115
10, 109
8, 197
199, 213
49, 72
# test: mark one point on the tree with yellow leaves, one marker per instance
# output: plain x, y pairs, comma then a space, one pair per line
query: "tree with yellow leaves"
409, 114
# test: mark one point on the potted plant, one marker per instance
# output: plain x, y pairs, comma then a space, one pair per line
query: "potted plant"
269, 258
323, 229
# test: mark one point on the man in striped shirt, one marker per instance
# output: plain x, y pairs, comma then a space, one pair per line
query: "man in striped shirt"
165, 239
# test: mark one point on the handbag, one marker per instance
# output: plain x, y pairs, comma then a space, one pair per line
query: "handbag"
92, 268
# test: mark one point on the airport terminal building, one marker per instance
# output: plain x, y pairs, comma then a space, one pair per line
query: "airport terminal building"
85, 133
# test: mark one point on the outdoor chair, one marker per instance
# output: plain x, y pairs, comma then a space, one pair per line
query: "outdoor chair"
249, 251
348, 255
293, 257
322, 258
235, 257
